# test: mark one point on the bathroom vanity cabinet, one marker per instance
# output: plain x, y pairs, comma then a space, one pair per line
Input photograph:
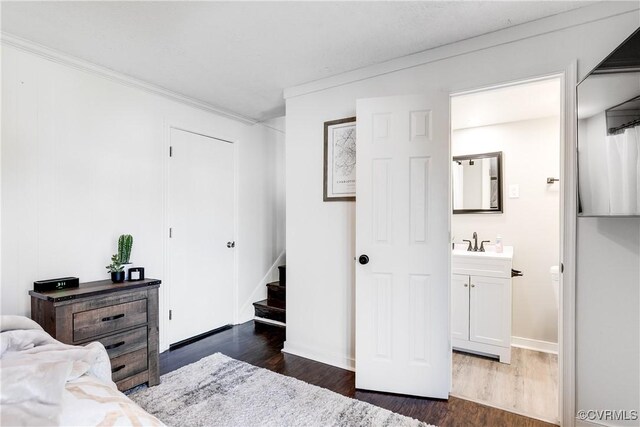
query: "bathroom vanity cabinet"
481, 302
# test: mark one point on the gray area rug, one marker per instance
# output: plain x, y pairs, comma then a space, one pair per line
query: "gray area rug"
220, 391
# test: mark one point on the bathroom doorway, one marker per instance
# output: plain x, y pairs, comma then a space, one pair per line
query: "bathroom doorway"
506, 229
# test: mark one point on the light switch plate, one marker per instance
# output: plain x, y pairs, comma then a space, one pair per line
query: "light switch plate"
514, 191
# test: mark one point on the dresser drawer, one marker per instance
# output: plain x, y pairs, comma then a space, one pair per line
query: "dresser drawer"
125, 342
128, 364
94, 323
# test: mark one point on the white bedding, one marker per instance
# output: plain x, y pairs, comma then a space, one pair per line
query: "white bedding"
44, 382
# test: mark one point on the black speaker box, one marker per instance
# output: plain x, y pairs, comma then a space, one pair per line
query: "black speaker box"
56, 284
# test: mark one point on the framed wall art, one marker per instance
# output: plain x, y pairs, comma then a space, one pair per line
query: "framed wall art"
340, 160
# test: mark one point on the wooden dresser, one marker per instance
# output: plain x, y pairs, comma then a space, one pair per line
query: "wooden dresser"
123, 317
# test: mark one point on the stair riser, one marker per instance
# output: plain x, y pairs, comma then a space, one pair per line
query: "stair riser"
276, 293
270, 314
282, 274
277, 301
260, 325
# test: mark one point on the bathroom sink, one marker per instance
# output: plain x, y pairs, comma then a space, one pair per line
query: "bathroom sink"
461, 251
489, 263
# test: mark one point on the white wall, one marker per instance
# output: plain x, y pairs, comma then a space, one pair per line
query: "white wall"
608, 301
530, 223
320, 236
83, 161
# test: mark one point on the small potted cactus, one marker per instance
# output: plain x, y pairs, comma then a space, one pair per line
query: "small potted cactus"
119, 260
125, 243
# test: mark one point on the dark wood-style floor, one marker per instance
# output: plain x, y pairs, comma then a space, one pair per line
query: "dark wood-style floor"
261, 345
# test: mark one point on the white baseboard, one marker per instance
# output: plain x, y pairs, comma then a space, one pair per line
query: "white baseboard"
245, 313
337, 360
537, 345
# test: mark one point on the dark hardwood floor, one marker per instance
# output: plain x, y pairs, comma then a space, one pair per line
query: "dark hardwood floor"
261, 345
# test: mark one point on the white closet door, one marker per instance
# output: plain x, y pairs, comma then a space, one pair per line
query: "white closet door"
201, 217
402, 217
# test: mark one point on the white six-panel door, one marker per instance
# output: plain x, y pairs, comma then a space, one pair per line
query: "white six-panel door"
402, 225
201, 217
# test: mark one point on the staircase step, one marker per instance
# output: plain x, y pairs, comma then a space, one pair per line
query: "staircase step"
276, 293
270, 310
276, 285
264, 321
282, 272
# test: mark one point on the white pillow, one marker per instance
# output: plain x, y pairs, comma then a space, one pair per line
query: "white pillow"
12, 323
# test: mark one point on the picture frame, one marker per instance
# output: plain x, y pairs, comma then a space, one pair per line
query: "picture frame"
339, 184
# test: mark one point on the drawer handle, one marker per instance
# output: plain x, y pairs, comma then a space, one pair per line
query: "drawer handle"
117, 316
116, 345
119, 368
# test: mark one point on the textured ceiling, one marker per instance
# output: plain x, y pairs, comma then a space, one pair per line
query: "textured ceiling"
239, 56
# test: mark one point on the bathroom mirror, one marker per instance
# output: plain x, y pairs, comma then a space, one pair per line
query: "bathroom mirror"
608, 108
477, 183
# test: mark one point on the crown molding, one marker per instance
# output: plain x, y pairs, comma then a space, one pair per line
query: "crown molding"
86, 66
275, 129
573, 18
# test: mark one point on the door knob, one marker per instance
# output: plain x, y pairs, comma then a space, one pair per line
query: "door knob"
231, 244
363, 259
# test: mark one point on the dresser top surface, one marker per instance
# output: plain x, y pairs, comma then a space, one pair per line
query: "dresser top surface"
90, 289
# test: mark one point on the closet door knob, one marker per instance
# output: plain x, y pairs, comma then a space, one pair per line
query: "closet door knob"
466, 286
363, 259
473, 286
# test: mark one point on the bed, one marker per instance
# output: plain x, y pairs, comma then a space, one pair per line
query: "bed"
45, 382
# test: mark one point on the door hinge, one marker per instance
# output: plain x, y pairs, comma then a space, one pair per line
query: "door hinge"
561, 267
170, 314
170, 151
170, 232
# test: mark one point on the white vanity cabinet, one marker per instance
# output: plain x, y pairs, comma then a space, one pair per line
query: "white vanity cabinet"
460, 306
481, 302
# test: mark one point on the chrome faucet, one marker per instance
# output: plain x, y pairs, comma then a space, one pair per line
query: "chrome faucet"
474, 247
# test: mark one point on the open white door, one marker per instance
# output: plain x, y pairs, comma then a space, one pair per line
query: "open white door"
402, 225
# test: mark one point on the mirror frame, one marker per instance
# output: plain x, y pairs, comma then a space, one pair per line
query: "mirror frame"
500, 209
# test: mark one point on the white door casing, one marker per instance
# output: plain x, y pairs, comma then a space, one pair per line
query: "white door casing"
402, 224
201, 217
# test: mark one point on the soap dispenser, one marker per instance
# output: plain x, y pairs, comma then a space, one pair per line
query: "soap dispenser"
499, 244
